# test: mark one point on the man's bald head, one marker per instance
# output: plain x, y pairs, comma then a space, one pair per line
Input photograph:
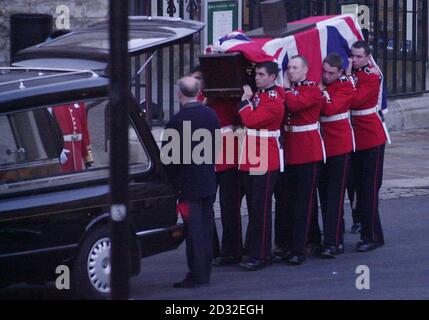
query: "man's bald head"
189, 87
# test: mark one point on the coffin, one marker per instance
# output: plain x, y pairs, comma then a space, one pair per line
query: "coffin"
225, 74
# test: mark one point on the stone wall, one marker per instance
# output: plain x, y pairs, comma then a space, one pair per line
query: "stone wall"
82, 14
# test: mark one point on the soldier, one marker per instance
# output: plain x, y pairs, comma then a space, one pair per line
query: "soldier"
77, 152
227, 179
304, 152
195, 183
262, 115
371, 136
338, 94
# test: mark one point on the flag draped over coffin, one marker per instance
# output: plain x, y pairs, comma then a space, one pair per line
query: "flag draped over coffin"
331, 34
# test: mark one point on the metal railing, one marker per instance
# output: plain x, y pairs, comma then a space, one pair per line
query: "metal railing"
398, 34
169, 64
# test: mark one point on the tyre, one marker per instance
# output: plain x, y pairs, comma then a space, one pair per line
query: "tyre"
92, 266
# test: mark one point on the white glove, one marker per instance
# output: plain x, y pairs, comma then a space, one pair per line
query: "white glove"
63, 156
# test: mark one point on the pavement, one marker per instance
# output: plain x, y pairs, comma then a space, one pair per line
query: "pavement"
406, 166
399, 270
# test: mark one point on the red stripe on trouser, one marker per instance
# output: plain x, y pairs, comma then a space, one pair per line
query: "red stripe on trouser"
310, 208
340, 205
374, 207
238, 217
264, 229
183, 208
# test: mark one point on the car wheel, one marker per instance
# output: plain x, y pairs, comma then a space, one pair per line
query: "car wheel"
92, 266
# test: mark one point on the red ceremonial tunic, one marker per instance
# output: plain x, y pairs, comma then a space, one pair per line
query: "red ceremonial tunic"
72, 121
368, 129
303, 104
262, 118
337, 134
226, 111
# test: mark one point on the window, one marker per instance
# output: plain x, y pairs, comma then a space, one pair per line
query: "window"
60, 144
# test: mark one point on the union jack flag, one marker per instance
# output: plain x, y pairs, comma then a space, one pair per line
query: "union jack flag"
330, 34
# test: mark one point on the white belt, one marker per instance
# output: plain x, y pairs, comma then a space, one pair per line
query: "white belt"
268, 134
263, 133
364, 112
386, 132
371, 111
323, 146
353, 136
310, 127
73, 137
226, 129
337, 117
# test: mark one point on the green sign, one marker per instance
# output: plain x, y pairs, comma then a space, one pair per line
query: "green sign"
222, 18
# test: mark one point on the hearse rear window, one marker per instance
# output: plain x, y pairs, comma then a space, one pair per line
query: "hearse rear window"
60, 144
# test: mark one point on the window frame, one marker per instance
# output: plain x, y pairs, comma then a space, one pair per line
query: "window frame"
73, 180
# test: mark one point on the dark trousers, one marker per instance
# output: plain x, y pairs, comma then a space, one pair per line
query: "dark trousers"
351, 192
315, 234
259, 192
230, 196
199, 219
299, 200
332, 187
367, 168
279, 209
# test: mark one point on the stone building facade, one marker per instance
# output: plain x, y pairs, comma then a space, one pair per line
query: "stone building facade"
81, 13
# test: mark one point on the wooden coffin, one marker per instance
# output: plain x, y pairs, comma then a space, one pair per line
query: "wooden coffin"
225, 74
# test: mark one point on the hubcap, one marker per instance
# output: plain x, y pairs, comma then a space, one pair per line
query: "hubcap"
99, 266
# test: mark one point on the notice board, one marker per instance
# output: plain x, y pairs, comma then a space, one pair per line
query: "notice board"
221, 17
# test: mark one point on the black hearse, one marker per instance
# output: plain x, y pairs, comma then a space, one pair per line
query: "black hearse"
49, 217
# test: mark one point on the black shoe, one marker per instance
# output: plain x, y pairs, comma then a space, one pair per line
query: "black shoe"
296, 259
251, 264
189, 284
356, 228
226, 261
364, 246
331, 251
281, 254
313, 248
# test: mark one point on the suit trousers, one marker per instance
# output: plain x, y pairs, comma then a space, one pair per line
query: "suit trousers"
198, 217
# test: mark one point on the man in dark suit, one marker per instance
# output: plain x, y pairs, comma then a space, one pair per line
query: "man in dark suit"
193, 177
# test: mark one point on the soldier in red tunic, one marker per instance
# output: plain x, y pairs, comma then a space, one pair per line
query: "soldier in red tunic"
260, 160
77, 152
338, 94
371, 135
304, 152
227, 178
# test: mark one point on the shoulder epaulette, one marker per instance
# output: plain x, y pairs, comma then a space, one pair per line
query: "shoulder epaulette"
291, 90
272, 94
308, 83
368, 70
344, 78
